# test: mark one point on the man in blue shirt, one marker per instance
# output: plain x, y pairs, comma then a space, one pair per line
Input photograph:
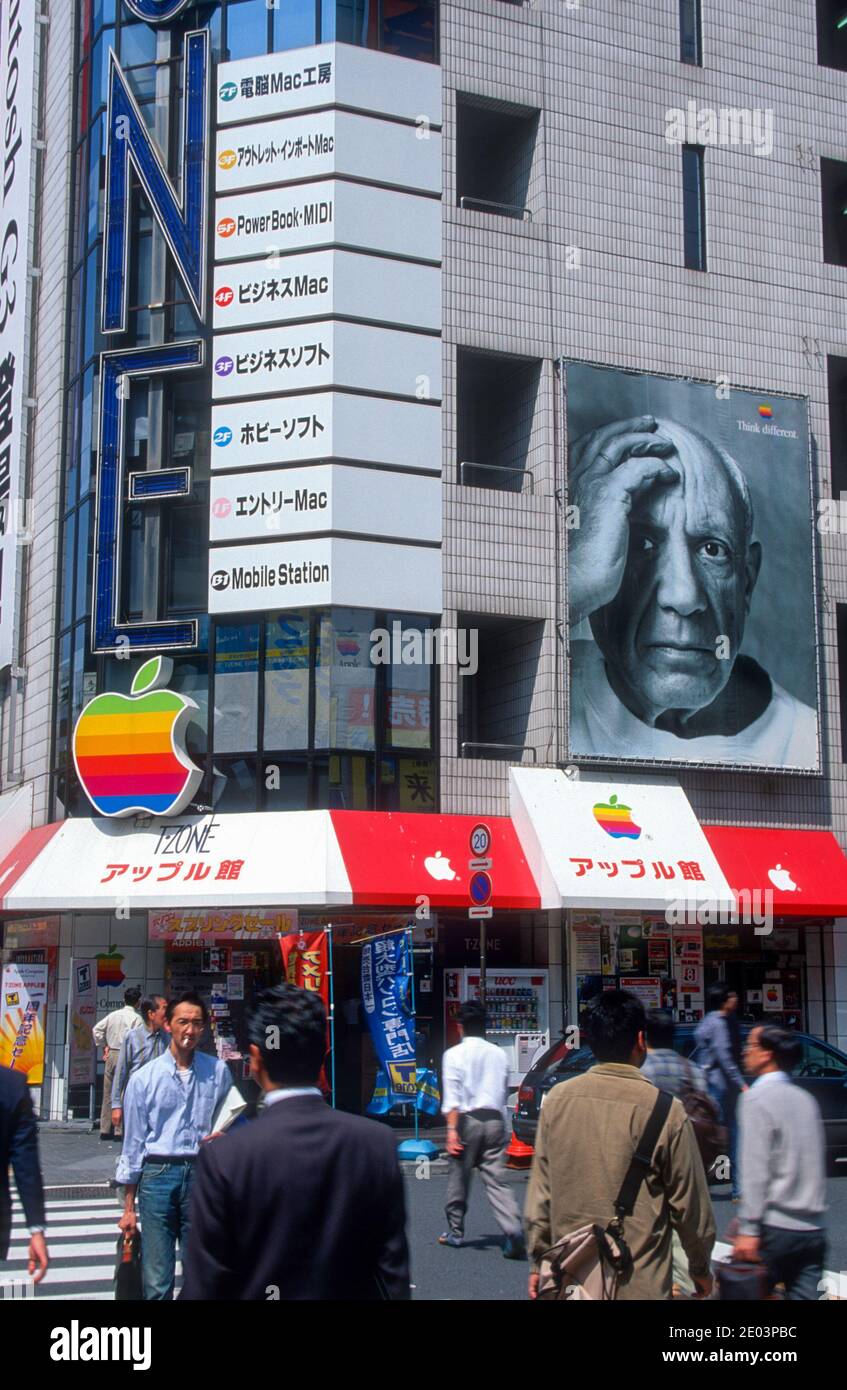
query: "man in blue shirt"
169, 1106
139, 1046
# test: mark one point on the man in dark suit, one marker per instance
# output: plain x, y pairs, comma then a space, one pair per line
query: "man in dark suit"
19, 1147
306, 1202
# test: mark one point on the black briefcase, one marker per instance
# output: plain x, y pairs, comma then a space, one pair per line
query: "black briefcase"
742, 1281
128, 1284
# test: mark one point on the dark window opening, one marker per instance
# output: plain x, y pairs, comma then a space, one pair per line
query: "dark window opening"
694, 207
495, 146
841, 615
690, 33
832, 34
834, 207
496, 402
495, 704
836, 370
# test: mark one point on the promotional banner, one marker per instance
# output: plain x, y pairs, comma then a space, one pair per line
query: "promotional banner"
82, 1015
385, 982
23, 1004
18, 85
186, 928
693, 626
305, 961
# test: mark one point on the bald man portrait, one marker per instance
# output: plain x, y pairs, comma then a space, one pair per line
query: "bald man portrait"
664, 565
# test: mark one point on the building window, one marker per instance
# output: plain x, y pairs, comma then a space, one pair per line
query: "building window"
694, 207
841, 618
495, 156
497, 421
834, 207
836, 371
832, 34
495, 710
690, 33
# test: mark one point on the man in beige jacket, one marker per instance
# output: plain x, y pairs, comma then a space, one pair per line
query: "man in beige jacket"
587, 1133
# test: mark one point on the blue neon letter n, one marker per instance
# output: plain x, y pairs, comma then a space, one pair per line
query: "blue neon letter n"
182, 220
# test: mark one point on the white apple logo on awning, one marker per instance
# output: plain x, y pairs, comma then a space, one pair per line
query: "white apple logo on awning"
439, 867
781, 879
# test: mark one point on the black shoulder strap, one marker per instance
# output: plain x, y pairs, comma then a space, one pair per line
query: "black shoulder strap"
643, 1155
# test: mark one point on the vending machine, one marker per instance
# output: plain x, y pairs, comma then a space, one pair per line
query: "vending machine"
517, 1011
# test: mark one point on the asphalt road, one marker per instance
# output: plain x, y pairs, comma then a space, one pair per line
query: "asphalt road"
479, 1272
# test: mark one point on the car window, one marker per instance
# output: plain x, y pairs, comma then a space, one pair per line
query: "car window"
551, 1060
578, 1060
818, 1060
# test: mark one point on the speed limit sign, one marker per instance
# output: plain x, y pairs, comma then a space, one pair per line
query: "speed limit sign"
480, 840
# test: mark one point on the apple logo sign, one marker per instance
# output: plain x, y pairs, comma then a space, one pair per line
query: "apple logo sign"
438, 867
781, 879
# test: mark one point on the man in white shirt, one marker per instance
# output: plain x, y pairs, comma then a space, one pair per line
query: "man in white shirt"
475, 1081
109, 1034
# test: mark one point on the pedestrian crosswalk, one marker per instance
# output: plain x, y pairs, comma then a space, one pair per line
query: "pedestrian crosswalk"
82, 1237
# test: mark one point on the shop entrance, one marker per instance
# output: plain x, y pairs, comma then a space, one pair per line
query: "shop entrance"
766, 992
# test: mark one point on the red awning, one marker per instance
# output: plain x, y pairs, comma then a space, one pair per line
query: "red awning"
393, 859
806, 870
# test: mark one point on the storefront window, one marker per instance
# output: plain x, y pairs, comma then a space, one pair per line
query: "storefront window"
409, 28
240, 790
96, 175
345, 688
407, 696
287, 681
286, 785
84, 559
344, 782
236, 679
69, 542
408, 784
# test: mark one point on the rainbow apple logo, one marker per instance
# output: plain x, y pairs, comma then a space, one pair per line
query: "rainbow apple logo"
616, 820
109, 971
129, 750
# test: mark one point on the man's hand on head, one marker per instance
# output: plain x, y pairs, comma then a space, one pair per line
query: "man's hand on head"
609, 469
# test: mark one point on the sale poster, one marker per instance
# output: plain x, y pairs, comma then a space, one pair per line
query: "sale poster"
23, 1003
586, 939
647, 990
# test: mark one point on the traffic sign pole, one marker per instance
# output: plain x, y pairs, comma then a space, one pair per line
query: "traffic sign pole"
480, 844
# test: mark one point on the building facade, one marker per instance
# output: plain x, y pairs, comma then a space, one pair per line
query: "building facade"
504, 227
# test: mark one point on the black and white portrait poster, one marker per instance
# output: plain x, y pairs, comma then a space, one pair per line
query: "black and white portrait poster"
691, 586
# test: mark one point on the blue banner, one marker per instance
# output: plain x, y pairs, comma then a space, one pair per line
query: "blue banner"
427, 1101
385, 982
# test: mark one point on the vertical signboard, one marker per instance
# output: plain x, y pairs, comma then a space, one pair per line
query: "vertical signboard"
328, 340
17, 85
82, 1015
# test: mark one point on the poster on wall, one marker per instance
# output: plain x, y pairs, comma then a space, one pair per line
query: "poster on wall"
688, 973
82, 1015
646, 989
693, 626
23, 1005
586, 943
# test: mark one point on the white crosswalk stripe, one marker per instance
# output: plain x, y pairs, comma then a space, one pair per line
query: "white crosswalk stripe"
82, 1238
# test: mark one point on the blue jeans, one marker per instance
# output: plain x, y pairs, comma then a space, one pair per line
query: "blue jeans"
795, 1259
163, 1195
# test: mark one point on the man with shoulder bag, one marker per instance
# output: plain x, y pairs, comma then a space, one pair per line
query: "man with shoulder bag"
616, 1171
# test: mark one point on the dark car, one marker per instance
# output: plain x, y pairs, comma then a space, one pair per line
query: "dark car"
822, 1071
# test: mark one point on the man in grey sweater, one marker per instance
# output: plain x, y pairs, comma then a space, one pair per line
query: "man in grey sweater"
782, 1147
